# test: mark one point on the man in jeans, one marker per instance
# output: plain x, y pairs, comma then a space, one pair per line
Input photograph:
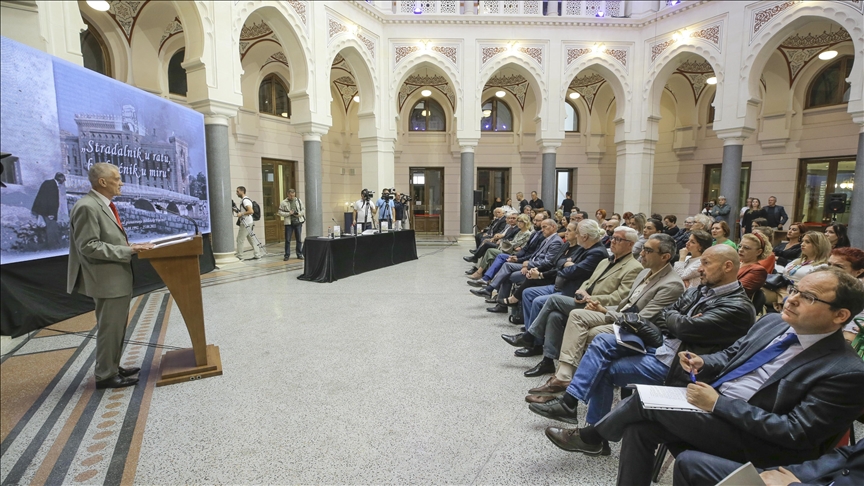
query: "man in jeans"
293, 214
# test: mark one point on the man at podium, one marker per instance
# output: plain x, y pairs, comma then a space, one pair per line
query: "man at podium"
99, 267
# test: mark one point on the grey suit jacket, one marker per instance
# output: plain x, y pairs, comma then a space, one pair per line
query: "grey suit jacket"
664, 289
99, 254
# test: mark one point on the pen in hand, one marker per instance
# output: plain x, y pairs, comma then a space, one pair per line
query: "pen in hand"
692, 375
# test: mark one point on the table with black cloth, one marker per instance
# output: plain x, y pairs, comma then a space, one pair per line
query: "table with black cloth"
329, 259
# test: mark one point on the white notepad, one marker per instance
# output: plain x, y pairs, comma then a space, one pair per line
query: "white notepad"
665, 398
746, 475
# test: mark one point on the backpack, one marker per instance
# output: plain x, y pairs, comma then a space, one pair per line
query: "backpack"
256, 210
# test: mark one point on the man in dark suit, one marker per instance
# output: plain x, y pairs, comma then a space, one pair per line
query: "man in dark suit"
843, 466
784, 393
506, 233
775, 214
495, 226
99, 256
47, 204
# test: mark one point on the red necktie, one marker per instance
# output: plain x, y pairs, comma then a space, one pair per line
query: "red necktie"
116, 216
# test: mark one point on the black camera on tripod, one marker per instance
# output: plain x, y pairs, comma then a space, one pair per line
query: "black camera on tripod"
388, 196
366, 194
405, 198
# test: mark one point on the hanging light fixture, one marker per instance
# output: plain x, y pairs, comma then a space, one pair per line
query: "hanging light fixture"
500, 94
426, 93
574, 96
100, 5
712, 80
356, 98
827, 55
487, 113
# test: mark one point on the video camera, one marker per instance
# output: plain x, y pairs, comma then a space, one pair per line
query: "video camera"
366, 194
404, 199
390, 196
708, 205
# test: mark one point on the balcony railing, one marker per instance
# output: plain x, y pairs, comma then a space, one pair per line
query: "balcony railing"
522, 8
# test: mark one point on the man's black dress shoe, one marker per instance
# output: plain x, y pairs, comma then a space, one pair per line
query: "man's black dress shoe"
116, 381
477, 283
482, 293
498, 309
491, 300
469, 272
521, 340
517, 319
555, 410
569, 440
470, 259
522, 329
528, 352
544, 367
124, 372
472, 251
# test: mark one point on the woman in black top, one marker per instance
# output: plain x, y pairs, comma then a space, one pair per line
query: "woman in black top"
837, 235
755, 211
788, 251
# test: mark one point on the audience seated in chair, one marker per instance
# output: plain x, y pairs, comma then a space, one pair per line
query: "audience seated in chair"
751, 274
519, 240
689, 257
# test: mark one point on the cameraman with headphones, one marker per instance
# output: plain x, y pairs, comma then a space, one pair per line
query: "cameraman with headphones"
364, 210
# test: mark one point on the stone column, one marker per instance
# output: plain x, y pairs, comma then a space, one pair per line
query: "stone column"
548, 180
219, 188
312, 178
466, 191
856, 218
730, 178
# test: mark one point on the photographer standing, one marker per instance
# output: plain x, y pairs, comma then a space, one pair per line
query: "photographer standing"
364, 210
293, 215
399, 204
386, 208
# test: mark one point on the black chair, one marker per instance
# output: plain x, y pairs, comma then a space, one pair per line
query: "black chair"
759, 302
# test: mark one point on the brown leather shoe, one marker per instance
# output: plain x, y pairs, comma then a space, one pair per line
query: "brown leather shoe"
552, 387
538, 399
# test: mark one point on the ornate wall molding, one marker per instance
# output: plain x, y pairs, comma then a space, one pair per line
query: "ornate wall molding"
400, 51
587, 85
799, 50
174, 28
696, 72
534, 51
515, 84
762, 16
337, 26
451, 52
125, 14
619, 54
300, 7
279, 57
347, 88
340, 63
255, 34
417, 81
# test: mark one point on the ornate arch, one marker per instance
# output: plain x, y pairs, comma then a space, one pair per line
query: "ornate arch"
288, 23
664, 67
417, 59
527, 68
364, 74
613, 73
784, 24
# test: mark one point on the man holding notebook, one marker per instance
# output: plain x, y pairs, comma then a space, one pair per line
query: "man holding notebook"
783, 394
704, 319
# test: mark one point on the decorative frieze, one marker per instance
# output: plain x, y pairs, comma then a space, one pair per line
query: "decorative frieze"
515, 84
416, 81
799, 50
174, 28
760, 17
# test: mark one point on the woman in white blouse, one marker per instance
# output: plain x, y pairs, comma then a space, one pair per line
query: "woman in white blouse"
687, 267
815, 249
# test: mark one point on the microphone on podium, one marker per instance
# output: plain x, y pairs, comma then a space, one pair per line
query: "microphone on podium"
163, 208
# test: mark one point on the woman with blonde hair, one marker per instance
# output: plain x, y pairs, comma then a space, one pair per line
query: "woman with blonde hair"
815, 250
701, 222
637, 222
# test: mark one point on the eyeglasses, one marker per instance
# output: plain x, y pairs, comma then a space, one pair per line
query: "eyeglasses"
807, 296
618, 240
687, 223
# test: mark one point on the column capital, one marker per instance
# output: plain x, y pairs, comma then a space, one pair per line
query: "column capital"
858, 119
734, 136
549, 146
215, 112
312, 131
468, 144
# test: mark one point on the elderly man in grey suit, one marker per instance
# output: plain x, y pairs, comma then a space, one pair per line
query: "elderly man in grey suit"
99, 267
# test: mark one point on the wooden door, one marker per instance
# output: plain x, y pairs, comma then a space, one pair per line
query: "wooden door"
277, 177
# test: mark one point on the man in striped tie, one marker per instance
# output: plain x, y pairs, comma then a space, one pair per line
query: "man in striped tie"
784, 393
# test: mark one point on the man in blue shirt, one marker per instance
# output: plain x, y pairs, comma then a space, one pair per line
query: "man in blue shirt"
386, 208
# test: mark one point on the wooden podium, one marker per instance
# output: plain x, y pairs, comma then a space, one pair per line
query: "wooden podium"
178, 266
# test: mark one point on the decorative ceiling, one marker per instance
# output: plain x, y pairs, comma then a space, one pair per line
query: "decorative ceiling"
587, 85
417, 81
798, 50
515, 84
697, 73
345, 85
255, 34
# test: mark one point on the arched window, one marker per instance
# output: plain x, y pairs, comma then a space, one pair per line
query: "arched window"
426, 116
571, 120
176, 74
496, 116
829, 87
273, 97
95, 52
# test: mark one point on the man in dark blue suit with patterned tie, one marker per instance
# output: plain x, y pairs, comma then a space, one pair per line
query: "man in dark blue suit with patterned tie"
783, 394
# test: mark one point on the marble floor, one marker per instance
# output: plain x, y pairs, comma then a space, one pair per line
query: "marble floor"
396, 376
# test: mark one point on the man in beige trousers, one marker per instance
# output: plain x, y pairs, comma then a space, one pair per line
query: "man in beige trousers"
99, 267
